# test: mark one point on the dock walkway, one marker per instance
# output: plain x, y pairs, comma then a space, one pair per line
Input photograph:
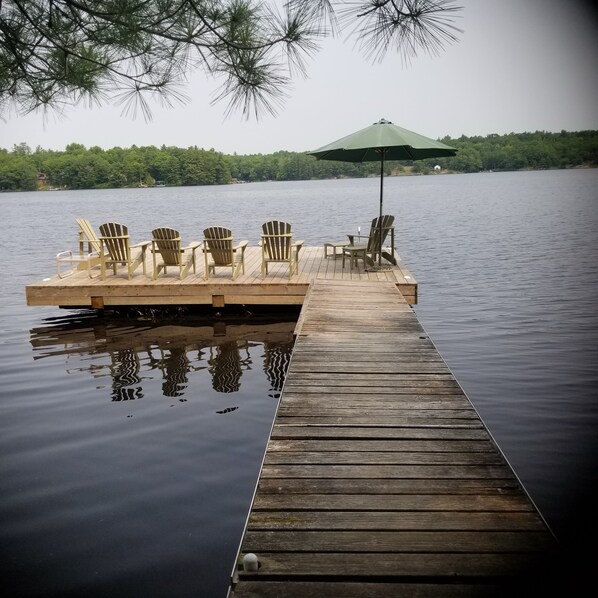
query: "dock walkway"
379, 478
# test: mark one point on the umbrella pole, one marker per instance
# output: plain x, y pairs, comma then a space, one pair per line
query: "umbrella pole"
381, 195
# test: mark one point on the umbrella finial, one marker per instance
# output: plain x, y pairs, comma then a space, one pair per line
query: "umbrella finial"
383, 121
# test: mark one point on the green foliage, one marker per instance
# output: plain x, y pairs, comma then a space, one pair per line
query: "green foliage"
521, 151
59, 52
79, 168
17, 172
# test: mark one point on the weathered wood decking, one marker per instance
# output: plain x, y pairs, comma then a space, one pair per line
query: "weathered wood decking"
219, 290
379, 478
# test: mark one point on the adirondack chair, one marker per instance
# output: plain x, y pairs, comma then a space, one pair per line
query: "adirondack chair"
278, 246
119, 251
220, 251
368, 248
87, 258
88, 235
166, 243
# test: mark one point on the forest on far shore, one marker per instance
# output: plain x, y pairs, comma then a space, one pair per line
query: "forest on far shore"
78, 167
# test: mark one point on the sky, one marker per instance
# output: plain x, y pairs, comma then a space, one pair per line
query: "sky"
518, 66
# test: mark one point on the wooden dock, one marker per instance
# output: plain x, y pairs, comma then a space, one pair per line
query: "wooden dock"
379, 477
250, 288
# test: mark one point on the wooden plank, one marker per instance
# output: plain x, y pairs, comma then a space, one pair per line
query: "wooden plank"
396, 520
503, 484
378, 458
386, 472
390, 541
379, 420
395, 446
356, 432
443, 567
361, 589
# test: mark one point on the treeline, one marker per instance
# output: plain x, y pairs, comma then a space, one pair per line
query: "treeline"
22, 169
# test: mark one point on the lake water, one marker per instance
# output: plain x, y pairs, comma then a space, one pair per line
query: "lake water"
131, 446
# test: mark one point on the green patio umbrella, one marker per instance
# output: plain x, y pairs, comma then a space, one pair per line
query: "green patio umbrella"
379, 142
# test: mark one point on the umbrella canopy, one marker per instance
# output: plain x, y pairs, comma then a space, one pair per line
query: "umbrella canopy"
379, 142
383, 139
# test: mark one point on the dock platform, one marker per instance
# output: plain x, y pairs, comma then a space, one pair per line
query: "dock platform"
219, 290
379, 478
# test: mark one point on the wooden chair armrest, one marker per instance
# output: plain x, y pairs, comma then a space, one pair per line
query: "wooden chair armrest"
193, 245
142, 244
358, 237
241, 245
298, 244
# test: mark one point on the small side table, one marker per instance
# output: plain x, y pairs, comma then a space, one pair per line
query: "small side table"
354, 252
85, 261
334, 247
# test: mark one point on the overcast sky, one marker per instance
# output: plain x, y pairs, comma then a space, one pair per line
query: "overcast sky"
519, 65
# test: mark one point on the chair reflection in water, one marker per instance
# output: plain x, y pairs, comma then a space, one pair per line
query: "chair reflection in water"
175, 366
135, 355
226, 366
277, 357
124, 370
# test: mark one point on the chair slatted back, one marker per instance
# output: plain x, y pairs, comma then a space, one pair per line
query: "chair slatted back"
277, 239
117, 241
378, 232
220, 243
88, 235
168, 242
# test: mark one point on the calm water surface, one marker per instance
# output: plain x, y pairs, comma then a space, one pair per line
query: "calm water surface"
131, 446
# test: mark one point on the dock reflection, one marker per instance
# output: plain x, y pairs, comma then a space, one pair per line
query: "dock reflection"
130, 353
